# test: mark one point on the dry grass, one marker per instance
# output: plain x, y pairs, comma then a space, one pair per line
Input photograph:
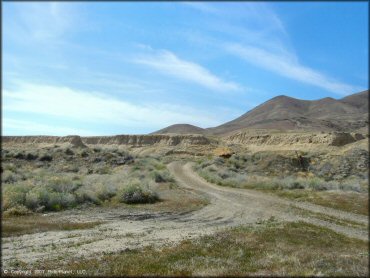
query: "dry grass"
35, 223
270, 249
349, 195
347, 201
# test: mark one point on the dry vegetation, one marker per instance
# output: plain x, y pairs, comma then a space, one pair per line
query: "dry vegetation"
69, 178
36, 223
38, 185
270, 248
327, 183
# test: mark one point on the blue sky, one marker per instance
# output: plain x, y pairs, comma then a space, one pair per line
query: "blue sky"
132, 68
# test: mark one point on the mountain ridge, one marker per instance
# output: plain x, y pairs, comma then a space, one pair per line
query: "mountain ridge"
283, 112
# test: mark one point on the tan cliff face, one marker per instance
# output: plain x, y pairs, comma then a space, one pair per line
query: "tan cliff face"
328, 139
177, 143
40, 139
131, 140
145, 140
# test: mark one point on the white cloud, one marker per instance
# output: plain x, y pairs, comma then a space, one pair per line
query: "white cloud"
99, 109
290, 68
44, 21
167, 62
250, 22
260, 38
21, 127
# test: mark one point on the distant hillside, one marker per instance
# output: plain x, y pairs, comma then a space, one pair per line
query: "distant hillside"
180, 129
286, 113
349, 114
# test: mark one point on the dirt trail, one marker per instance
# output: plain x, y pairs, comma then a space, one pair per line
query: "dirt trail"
252, 203
130, 229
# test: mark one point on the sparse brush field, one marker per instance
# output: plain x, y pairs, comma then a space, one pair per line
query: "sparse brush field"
267, 249
326, 182
109, 212
59, 178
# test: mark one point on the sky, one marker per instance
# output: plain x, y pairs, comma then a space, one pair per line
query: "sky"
133, 68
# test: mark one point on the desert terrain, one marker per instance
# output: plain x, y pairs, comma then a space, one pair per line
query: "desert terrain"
281, 190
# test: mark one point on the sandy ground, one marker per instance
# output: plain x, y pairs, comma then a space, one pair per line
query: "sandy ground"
129, 229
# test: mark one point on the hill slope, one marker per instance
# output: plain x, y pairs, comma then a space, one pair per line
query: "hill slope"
286, 113
181, 129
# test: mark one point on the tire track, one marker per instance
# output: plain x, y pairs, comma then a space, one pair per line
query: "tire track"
252, 203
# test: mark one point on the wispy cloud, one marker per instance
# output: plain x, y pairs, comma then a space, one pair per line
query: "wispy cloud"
168, 63
289, 68
263, 40
249, 22
42, 22
99, 109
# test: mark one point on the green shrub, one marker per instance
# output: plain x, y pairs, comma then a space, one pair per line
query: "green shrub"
105, 192
84, 195
14, 195
162, 176
351, 185
46, 157
68, 151
212, 168
316, 184
17, 210
295, 185
136, 194
31, 156
10, 166
9, 177
42, 195
63, 184
84, 153
159, 166
103, 170
19, 155
60, 201
32, 200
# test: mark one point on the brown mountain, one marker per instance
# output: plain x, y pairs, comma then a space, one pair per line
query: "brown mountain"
181, 129
286, 113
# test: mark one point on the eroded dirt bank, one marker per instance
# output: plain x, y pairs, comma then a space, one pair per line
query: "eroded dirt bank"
283, 139
134, 140
130, 228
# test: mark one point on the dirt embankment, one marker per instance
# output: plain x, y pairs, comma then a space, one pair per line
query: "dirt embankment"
246, 138
132, 140
140, 140
72, 139
328, 139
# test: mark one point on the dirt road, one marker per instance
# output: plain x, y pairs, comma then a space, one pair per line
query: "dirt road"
125, 230
247, 206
